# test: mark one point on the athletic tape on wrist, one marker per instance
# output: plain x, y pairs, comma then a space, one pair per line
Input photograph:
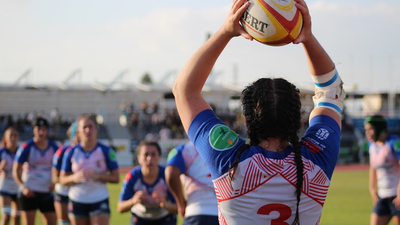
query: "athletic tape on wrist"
329, 91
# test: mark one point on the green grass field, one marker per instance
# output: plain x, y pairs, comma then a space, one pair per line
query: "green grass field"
348, 201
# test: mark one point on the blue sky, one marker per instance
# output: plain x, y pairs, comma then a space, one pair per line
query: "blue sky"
103, 38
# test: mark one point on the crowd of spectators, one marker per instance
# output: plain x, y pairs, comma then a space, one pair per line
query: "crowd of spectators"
23, 123
149, 122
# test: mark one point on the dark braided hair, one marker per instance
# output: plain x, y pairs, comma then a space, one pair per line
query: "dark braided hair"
272, 110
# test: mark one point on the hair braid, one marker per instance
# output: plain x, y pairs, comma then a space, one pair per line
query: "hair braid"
299, 185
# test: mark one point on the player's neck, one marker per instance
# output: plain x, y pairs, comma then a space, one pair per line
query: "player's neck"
150, 172
274, 145
89, 145
41, 143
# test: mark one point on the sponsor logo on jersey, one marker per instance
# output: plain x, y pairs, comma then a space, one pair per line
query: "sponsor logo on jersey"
322, 134
222, 138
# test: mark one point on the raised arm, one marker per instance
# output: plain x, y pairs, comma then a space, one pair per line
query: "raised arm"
190, 81
329, 94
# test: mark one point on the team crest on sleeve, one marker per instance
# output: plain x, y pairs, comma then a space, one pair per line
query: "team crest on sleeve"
322, 134
171, 154
396, 145
112, 155
222, 138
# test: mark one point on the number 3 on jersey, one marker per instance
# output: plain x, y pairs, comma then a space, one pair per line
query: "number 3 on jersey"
284, 212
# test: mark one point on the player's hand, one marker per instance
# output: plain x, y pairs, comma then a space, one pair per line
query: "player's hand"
181, 208
306, 33
396, 202
91, 175
159, 197
27, 192
51, 186
78, 177
231, 27
375, 199
139, 197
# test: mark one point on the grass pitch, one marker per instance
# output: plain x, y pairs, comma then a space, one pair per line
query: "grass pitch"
348, 201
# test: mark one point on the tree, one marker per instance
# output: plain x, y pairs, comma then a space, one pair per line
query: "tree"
146, 78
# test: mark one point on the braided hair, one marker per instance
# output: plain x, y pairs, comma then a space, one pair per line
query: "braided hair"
272, 110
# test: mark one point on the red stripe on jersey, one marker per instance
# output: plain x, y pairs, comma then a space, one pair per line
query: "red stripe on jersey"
320, 178
58, 152
221, 218
313, 148
128, 176
24, 145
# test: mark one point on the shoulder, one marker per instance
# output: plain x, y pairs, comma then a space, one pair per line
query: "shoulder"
27, 144
53, 144
394, 141
133, 174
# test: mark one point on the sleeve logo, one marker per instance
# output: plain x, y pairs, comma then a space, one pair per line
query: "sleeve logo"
112, 155
171, 154
222, 138
396, 145
322, 134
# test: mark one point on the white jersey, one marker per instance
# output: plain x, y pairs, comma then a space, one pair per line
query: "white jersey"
263, 187
385, 160
7, 182
199, 189
100, 160
36, 165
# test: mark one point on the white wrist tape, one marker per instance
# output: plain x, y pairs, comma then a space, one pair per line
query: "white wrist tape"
329, 91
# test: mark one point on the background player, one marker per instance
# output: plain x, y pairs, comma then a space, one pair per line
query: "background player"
8, 187
61, 191
145, 191
197, 203
32, 172
384, 151
275, 172
88, 167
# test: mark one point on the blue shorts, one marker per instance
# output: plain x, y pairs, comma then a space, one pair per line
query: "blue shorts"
167, 220
86, 210
61, 198
8, 195
42, 201
200, 220
385, 207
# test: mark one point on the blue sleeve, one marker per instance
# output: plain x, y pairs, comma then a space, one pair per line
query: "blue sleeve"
127, 190
216, 143
58, 156
395, 145
111, 158
22, 153
66, 161
175, 158
1, 153
321, 143
54, 146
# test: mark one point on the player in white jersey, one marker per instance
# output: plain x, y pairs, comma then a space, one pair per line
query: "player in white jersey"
384, 150
276, 178
32, 172
61, 191
197, 204
145, 192
8, 187
88, 167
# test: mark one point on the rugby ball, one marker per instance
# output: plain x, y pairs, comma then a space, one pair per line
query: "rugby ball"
272, 22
